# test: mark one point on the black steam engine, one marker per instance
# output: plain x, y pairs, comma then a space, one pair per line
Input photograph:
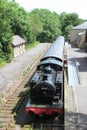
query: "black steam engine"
46, 84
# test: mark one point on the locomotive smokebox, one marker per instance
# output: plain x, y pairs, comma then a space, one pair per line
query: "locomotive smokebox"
45, 84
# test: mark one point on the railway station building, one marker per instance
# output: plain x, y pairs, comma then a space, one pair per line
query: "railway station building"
78, 35
18, 45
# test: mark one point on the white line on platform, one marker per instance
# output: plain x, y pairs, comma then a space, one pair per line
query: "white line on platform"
77, 108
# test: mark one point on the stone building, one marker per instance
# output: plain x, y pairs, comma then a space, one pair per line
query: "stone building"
78, 35
18, 45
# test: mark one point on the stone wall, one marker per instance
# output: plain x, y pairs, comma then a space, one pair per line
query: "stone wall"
81, 39
73, 35
19, 49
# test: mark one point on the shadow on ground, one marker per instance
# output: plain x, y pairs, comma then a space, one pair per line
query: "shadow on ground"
75, 121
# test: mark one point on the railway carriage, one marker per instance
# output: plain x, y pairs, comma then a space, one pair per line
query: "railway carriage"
46, 84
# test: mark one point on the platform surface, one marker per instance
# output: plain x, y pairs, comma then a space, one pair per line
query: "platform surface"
76, 95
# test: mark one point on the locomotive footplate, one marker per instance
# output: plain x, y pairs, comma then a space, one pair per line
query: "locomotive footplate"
44, 109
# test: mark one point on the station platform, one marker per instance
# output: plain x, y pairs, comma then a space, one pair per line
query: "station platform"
13, 73
76, 89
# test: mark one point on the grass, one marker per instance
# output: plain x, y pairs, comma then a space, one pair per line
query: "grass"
1, 126
3, 63
24, 73
31, 45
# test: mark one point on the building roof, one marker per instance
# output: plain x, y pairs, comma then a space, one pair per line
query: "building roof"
82, 26
17, 40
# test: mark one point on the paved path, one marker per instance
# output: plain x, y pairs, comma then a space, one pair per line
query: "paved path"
79, 56
9, 73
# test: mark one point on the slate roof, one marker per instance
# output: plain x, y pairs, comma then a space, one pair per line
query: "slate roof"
82, 26
17, 40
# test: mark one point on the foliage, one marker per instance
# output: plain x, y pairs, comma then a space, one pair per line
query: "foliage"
29, 46
5, 32
38, 25
67, 30
2, 62
18, 20
68, 21
51, 24
35, 27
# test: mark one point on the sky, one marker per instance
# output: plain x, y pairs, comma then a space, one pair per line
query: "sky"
59, 6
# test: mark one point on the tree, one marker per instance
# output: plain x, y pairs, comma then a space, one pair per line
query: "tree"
5, 31
67, 30
51, 24
17, 16
67, 21
35, 27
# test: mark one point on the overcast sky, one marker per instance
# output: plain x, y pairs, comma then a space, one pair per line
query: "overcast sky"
59, 6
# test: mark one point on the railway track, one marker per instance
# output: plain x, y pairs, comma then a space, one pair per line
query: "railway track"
48, 123
12, 112
14, 108
13, 116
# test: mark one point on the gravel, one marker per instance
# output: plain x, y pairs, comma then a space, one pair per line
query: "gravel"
9, 73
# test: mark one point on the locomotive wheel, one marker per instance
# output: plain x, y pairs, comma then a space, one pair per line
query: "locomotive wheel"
31, 117
54, 114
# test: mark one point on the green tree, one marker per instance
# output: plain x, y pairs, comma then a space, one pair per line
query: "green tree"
35, 27
67, 21
17, 16
5, 31
51, 24
67, 30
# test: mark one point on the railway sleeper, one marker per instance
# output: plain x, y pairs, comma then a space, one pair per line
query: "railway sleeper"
11, 126
2, 125
6, 108
10, 106
5, 120
10, 129
6, 112
4, 115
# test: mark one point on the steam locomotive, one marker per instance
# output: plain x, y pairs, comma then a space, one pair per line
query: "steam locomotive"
47, 85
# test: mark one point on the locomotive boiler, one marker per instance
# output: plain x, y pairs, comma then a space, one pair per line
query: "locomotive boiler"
47, 82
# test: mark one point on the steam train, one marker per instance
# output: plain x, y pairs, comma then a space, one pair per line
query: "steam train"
46, 84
